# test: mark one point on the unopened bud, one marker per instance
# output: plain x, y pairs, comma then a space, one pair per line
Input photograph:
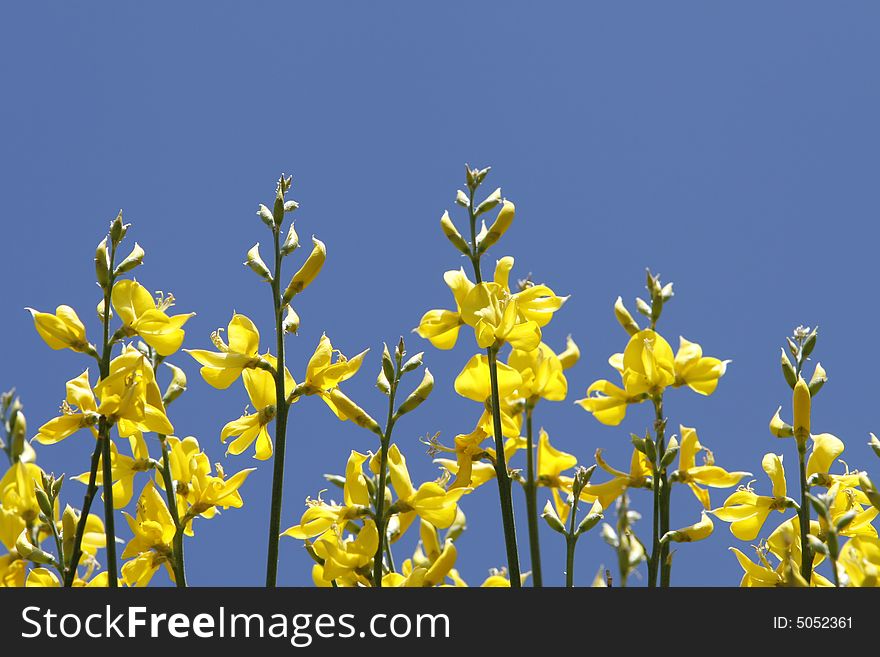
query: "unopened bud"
44, 503
132, 260
810, 342
308, 272
570, 355
291, 321
624, 318
875, 444
779, 428
291, 242
643, 307
818, 379
462, 199
499, 226
413, 363
118, 229
30, 552
419, 395
801, 405
552, 518
490, 202
453, 235
102, 264
177, 386
265, 214
351, 411
788, 370
671, 452
255, 262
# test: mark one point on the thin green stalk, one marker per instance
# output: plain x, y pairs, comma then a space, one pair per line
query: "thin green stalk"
91, 490
664, 564
531, 491
655, 535
501, 474
177, 564
570, 543
281, 409
381, 520
804, 517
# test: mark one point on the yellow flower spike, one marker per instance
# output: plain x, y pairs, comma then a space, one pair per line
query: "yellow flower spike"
801, 403
747, 511
695, 475
698, 372
444, 562
552, 462
541, 372
624, 318
308, 272
130, 397
649, 364
222, 368
474, 383
141, 315
441, 326
63, 330
696, 532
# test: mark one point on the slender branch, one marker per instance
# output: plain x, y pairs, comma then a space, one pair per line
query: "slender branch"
804, 516
381, 520
531, 490
281, 409
571, 542
177, 564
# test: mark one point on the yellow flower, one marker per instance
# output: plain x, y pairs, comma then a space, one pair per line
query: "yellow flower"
79, 397
648, 364
607, 402
431, 501
694, 475
344, 558
63, 330
221, 368
801, 404
762, 575
860, 561
535, 303
18, 502
252, 427
13, 571
785, 541
153, 531
746, 511
199, 491
130, 397
552, 462
700, 373
124, 469
474, 382
323, 374
639, 476
496, 318
542, 372
142, 315
441, 326
696, 532
45, 578
320, 516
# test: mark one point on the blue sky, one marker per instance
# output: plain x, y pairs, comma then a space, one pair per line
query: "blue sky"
733, 149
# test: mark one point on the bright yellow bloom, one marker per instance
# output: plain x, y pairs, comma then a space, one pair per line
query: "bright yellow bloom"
252, 427
496, 319
130, 397
45, 578
18, 502
199, 491
700, 373
535, 303
785, 541
63, 330
639, 476
607, 402
141, 315
694, 475
13, 570
323, 374
321, 516
845, 500
79, 411
151, 546
474, 382
801, 405
431, 501
860, 561
648, 364
552, 462
542, 372
747, 511
344, 558
124, 469
762, 574
441, 326
221, 368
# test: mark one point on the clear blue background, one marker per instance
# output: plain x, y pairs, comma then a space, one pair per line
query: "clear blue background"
732, 149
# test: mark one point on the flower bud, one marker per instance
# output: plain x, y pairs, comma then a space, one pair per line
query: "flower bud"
177, 386
810, 343
44, 503
788, 370
291, 321
817, 546
671, 452
419, 395
118, 229
132, 260
779, 428
552, 518
570, 355
413, 363
255, 262
307, 273
69, 520
102, 264
291, 242
30, 552
592, 519
462, 199
453, 235
290, 206
382, 383
499, 226
818, 379
801, 405
870, 491
265, 214
624, 318
351, 411
643, 307
875, 444
388, 364
696, 532
490, 202
458, 525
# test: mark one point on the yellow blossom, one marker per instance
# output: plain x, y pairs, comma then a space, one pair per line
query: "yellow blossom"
151, 546
441, 326
639, 476
141, 315
221, 368
85, 415
63, 330
696, 475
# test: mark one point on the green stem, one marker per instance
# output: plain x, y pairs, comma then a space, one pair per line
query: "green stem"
660, 430
381, 520
109, 517
571, 542
531, 491
804, 517
91, 490
177, 564
502, 475
655, 534
281, 409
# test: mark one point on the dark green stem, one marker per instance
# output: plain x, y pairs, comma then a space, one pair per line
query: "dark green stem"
571, 542
531, 491
281, 409
665, 565
177, 564
381, 520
